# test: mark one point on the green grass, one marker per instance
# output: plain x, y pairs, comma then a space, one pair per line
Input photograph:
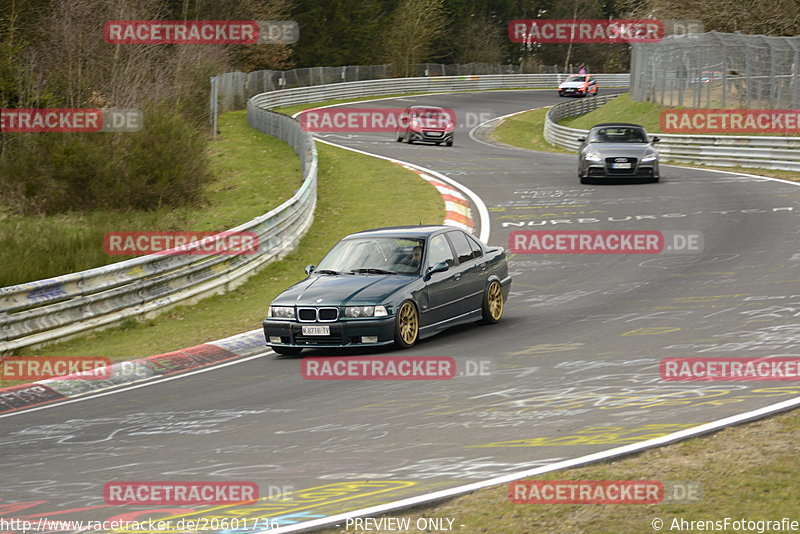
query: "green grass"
749, 471
526, 130
254, 173
625, 109
355, 192
621, 109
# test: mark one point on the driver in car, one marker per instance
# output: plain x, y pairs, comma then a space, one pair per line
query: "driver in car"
414, 259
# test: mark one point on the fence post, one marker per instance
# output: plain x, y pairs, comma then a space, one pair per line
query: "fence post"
214, 105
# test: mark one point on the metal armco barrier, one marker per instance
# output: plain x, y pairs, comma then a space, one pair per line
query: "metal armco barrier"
46, 310
760, 152
38, 312
433, 84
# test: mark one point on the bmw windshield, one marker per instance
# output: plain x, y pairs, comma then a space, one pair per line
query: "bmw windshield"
374, 255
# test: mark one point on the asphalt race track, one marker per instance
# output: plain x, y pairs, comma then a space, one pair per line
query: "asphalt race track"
571, 369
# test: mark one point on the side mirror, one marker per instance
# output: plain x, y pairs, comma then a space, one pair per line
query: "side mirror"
581, 139
437, 268
309, 269
656, 139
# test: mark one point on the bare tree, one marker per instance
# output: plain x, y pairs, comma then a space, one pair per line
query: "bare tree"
768, 17
413, 29
480, 41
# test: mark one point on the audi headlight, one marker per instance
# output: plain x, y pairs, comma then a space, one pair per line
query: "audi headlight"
649, 157
593, 156
281, 312
365, 311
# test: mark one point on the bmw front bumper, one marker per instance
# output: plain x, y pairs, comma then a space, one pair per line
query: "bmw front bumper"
343, 333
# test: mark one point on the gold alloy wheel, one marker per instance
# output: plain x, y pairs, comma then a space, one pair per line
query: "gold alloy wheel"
495, 299
408, 323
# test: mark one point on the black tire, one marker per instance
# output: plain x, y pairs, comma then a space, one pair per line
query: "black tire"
406, 325
584, 179
399, 139
493, 303
409, 140
287, 351
449, 143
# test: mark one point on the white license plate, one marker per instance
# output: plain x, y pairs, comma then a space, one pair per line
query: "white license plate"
620, 165
434, 134
316, 330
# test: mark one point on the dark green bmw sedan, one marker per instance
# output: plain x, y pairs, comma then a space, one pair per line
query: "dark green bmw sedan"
390, 285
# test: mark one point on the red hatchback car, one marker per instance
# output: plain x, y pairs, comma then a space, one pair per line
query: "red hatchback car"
426, 123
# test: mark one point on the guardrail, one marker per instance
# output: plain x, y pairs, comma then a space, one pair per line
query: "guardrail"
433, 84
38, 312
759, 152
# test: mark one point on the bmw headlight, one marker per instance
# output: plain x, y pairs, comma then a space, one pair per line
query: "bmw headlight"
281, 312
593, 156
365, 311
649, 157
359, 311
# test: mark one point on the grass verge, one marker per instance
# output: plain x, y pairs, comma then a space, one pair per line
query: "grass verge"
355, 192
255, 173
748, 471
526, 130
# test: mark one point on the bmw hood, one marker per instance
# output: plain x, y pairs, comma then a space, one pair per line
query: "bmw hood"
342, 290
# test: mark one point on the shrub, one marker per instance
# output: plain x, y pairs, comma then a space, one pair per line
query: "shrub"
164, 164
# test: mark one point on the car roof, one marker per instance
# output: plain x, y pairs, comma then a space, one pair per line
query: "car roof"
626, 124
403, 231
